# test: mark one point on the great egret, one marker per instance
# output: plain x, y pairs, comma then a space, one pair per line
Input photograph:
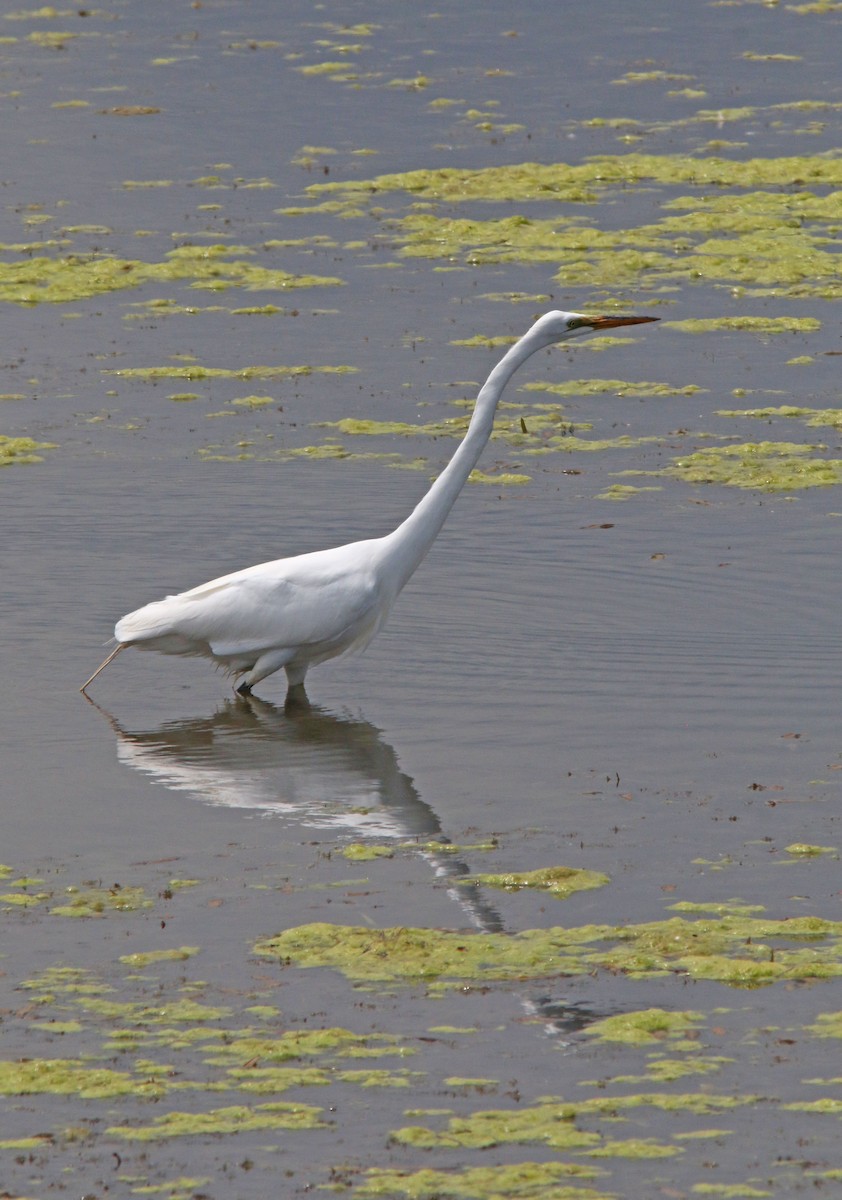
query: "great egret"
296, 612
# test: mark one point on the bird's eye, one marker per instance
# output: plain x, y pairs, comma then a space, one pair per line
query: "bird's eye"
572, 323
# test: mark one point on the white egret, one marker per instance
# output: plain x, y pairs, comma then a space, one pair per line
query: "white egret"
297, 612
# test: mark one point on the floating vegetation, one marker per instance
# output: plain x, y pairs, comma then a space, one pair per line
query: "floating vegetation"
21, 451
767, 325
565, 181
560, 882
40, 279
756, 234
645, 1027
805, 850
253, 401
613, 387
733, 950
145, 958
517, 1181
554, 1124
366, 852
233, 1119
196, 371
816, 417
623, 491
757, 466
96, 901
502, 479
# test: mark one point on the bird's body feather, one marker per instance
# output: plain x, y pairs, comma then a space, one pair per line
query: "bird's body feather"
310, 607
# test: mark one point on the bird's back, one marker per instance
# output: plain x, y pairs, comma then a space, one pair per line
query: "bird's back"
326, 599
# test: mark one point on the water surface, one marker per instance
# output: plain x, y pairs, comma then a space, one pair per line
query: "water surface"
645, 688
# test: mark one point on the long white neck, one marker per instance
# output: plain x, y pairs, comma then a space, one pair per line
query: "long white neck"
405, 548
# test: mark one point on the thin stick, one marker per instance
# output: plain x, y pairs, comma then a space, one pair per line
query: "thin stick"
102, 667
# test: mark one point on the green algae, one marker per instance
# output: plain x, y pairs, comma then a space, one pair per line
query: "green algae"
61, 1076
145, 958
296, 1044
560, 882
830, 1105
70, 980
669, 1070
805, 850
21, 451
734, 908
764, 325
461, 1082
634, 1148
563, 181
623, 491
269, 1080
827, 1025
24, 899
501, 479
536, 429
232, 1119
379, 1077
734, 950
773, 242
816, 417
757, 466
253, 401
184, 1188
521, 1181
552, 1123
644, 1027
165, 1014
44, 279
196, 371
614, 387
730, 1191
355, 426
365, 852
97, 901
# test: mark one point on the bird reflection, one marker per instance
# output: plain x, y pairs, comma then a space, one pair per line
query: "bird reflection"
304, 763
323, 770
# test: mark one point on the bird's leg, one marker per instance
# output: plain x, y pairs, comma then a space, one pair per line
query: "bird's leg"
102, 667
297, 700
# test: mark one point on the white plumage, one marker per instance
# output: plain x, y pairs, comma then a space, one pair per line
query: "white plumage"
297, 612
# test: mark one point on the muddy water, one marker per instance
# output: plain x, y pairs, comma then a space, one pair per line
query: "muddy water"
643, 687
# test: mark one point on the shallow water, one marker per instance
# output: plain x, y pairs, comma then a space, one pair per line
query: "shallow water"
645, 688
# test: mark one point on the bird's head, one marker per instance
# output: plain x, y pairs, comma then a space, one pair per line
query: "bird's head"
562, 326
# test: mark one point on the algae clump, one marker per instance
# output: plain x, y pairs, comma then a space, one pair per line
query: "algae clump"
759, 466
361, 852
733, 950
515, 1181
20, 451
41, 279
560, 882
233, 1119
644, 1027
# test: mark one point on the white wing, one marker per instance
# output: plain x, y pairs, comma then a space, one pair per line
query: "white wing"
331, 599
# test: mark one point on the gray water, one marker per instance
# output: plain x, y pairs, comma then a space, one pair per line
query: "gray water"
646, 689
